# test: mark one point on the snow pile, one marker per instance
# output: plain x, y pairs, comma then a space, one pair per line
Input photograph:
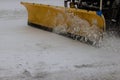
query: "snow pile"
78, 26
111, 42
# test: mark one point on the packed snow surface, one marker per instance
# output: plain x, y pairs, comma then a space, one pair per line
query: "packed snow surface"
28, 53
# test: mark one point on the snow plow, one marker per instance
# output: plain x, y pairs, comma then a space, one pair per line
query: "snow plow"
79, 18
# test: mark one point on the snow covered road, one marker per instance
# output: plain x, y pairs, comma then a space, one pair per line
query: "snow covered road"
28, 53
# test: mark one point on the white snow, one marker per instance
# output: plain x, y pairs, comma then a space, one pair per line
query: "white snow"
28, 53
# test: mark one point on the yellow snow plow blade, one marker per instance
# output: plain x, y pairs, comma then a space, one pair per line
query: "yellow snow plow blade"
74, 21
